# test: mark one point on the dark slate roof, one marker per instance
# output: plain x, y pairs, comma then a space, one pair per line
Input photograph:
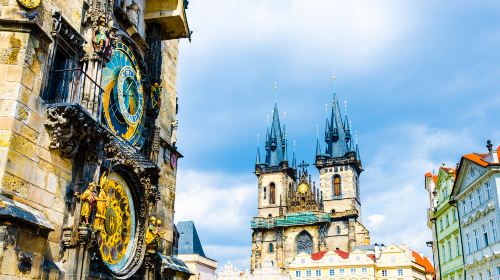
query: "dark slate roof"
10, 209
173, 263
134, 154
189, 241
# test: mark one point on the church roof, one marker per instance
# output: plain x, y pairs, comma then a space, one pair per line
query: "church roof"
189, 241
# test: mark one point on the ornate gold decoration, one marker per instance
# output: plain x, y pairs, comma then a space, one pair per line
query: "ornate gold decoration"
153, 235
303, 188
87, 198
102, 200
29, 4
156, 90
114, 219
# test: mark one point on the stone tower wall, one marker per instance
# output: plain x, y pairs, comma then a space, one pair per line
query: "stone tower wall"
282, 182
349, 188
30, 172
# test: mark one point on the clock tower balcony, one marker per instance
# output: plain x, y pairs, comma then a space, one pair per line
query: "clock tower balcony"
74, 111
170, 15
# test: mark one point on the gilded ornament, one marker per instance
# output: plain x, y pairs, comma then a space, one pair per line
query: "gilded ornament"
88, 199
102, 200
29, 4
153, 235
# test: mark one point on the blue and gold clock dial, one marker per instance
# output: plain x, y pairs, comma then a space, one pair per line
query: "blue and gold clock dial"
123, 98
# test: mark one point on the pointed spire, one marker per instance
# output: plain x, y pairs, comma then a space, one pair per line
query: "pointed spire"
257, 160
294, 159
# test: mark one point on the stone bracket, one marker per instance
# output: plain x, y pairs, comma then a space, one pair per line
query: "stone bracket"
73, 131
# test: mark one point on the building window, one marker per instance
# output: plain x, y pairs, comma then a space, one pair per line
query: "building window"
338, 229
488, 190
364, 271
454, 215
318, 272
479, 196
353, 271
297, 273
493, 231
471, 201
458, 245
490, 275
337, 189
341, 271
444, 254
441, 225
469, 249
485, 235
265, 192
272, 194
400, 272
476, 240
331, 272
450, 255
304, 243
447, 220
384, 272
480, 276
464, 210
308, 273
271, 248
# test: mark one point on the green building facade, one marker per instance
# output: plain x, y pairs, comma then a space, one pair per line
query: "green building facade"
447, 232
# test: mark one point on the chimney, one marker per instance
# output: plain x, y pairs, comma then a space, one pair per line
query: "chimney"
492, 154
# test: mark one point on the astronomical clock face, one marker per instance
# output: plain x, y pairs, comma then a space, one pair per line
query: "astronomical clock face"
123, 98
117, 234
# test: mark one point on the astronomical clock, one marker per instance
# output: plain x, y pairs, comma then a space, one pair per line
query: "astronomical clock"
123, 98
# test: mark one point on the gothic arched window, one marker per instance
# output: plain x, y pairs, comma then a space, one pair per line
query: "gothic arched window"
337, 189
304, 243
271, 247
272, 193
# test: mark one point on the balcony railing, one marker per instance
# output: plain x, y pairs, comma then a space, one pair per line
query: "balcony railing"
77, 87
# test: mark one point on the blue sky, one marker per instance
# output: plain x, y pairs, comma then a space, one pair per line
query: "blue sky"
422, 81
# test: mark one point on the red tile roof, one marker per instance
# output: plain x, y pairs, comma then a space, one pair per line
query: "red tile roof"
423, 261
481, 158
318, 256
342, 254
428, 174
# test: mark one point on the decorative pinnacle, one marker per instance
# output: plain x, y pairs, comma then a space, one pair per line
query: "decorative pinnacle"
258, 140
334, 78
356, 136
294, 146
345, 107
317, 131
275, 89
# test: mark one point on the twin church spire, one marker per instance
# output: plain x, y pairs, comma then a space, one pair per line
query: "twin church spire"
276, 143
338, 134
338, 139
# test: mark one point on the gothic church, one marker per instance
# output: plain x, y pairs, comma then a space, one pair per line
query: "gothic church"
294, 215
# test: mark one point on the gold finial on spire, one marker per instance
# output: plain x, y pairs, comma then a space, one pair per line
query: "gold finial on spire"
334, 77
275, 89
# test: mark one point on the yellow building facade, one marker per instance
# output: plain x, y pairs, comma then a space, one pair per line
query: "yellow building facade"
363, 263
88, 153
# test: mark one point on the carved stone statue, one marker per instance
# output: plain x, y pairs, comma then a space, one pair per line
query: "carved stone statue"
101, 199
88, 199
131, 9
153, 235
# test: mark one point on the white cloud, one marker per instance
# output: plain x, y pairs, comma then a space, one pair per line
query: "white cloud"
215, 201
393, 183
350, 33
375, 220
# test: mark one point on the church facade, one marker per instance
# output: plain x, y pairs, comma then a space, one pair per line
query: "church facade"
88, 155
296, 216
